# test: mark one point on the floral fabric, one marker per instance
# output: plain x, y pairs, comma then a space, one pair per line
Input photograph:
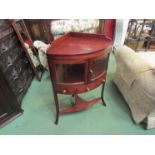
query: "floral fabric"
59, 27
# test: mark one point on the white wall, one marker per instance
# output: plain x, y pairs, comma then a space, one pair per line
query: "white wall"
120, 31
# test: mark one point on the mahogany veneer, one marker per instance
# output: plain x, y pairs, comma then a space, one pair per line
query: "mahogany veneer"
78, 64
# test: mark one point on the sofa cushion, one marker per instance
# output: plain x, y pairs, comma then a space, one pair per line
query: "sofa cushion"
140, 103
149, 57
135, 80
130, 64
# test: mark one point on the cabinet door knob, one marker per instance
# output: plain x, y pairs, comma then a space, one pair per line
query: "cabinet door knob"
88, 88
91, 71
103, 80
64, 91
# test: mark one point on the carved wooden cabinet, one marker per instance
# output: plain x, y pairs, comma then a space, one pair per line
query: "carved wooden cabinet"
14, 66
13, 62
78, 63
9, 106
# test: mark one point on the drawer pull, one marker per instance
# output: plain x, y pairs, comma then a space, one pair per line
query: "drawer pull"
88, 89
91, 71
64, 91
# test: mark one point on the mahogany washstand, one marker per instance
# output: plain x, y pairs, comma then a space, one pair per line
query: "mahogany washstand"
78, 64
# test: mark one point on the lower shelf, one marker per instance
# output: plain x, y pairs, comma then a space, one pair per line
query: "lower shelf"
79, 105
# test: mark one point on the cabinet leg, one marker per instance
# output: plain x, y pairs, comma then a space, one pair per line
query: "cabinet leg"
57, 108
102, 94
73, 100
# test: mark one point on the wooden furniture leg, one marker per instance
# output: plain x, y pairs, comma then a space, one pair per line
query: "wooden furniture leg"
102, 94
57, 107
73, 99
102, 91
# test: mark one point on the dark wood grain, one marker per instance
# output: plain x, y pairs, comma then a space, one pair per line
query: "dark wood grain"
8, 102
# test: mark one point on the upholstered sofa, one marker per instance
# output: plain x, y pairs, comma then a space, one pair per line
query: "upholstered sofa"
135, 78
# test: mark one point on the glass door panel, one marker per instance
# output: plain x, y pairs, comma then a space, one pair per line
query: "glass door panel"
70, 73
97, 67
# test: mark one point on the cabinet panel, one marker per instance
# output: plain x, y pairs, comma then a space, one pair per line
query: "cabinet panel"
9, 59
68, 73
19, 75
9, 106
13, 62
97, 67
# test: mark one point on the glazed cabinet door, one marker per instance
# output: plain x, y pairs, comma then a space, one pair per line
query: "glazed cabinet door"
97, 67
70, 73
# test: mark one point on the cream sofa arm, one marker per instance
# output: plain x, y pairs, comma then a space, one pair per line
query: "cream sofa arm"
130, 64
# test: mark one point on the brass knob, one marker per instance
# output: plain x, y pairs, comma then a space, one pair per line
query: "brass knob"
91, 71
64, 91
88, 88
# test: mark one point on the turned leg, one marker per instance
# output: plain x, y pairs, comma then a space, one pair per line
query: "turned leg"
102, 93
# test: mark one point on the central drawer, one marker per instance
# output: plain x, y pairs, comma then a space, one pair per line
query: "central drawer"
79, 88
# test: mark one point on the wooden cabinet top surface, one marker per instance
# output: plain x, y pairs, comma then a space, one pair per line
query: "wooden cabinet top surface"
75, 43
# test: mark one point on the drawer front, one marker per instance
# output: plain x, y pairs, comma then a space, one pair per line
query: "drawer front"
97, 67
79, 88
